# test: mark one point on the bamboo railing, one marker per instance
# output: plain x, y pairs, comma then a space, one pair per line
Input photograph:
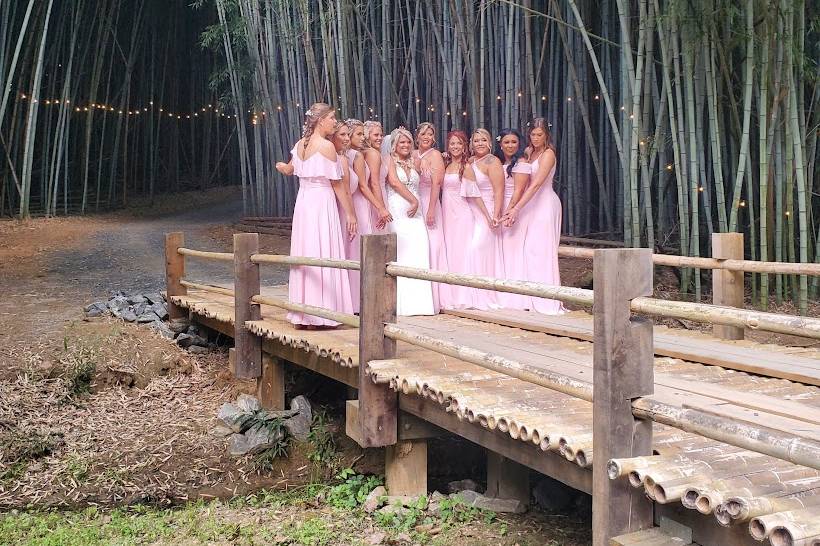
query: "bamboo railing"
623, 382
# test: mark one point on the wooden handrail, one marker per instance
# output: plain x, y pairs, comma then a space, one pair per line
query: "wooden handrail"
746, 266
207, 287
343, 318
304, 260
218, 256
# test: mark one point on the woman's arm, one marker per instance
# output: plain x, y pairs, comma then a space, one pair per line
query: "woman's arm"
520, 181
478, 200
342, 190
359, 165
374, 162
285, 168
401, 189
495, 170
536, 181
437, 178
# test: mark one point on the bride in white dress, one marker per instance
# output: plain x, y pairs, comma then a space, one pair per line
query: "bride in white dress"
414, 297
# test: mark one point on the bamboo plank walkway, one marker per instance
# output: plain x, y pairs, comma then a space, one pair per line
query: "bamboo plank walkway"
558, 426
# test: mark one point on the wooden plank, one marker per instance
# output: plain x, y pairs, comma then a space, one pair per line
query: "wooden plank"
405, 468
174, 272
313, 361
757, 360
270, 386
727, 286
378, 408
506, 479
623, 368
246, 285
410, 426
527, 454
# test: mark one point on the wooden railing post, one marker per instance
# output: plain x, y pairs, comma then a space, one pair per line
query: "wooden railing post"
727, 286
623, 370
378, 405
248, 346
174, 272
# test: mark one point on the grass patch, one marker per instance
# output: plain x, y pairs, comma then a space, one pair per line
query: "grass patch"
353, 490
323, 449
79, 364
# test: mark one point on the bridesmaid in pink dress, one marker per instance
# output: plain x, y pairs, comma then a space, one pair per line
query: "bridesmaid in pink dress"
363, 199
373, 137
516, 178
317, 230
430, 165
457, 220
487, 258
543, 218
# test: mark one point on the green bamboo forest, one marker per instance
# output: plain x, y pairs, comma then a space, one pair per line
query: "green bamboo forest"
672, 119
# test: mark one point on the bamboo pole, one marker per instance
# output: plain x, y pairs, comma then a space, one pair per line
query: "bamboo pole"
302, 260
207, 287
218, 256
343, 318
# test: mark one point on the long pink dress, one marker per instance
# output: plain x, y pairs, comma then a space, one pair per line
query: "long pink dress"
374, 214
317, 233
486, 258
457, 225
512, 242
362, 208
435, 234
541, 242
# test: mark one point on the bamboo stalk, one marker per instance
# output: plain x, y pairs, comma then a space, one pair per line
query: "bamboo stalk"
303, 260
218, 256
343, 318
207, 287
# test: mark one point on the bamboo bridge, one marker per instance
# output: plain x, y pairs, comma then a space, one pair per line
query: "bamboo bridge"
714, 439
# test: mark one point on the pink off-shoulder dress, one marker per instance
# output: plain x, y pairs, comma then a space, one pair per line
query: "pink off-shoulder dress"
541, 242
457, 224
512, 241
317, 233
362, 208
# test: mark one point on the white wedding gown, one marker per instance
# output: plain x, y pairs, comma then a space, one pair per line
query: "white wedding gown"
414, 297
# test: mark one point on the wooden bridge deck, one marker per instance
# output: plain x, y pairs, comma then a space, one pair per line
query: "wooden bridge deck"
552, 432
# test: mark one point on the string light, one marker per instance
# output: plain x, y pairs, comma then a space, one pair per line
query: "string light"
743, 203
520, 94
543, 97
788, 213
669, 167
597, 97
700, 189
569, 99
498, 97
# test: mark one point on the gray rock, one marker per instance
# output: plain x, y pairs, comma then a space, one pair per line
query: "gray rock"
299, 425
477, 500
257, 439
93, 312
248, 403
374, 499
154, 297
185, 340
99, 305
198, 350
145, 318
136, 298
461, 485
161, 310
220, 431
193, 330
234, 418
139, 308
409, 502
394, 510
162, 329
117, 304
128, 315
178, 325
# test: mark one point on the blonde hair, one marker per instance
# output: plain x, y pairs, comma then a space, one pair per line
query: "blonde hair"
540, 123
423, 126
397, 133
368, 125
315, 113
485, 133
352, 124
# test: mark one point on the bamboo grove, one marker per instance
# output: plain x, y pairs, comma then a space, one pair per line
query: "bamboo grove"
673, 119
101, 100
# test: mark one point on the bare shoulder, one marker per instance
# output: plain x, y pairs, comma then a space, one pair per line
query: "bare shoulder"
469, 174
489, 160
327, 149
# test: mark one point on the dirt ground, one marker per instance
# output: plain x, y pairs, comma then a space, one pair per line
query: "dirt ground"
101, 417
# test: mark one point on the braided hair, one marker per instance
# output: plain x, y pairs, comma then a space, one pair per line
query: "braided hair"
316, 112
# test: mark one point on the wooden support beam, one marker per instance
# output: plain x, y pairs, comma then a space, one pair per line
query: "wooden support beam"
506, 479
623, 370
174, 272
405, 468
246, 285
410, 426
270, 386
378, 405
727, 286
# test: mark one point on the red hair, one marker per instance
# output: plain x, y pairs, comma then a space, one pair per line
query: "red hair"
462, 136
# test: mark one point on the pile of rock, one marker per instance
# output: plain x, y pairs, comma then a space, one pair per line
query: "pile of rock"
248, 426
151, 308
